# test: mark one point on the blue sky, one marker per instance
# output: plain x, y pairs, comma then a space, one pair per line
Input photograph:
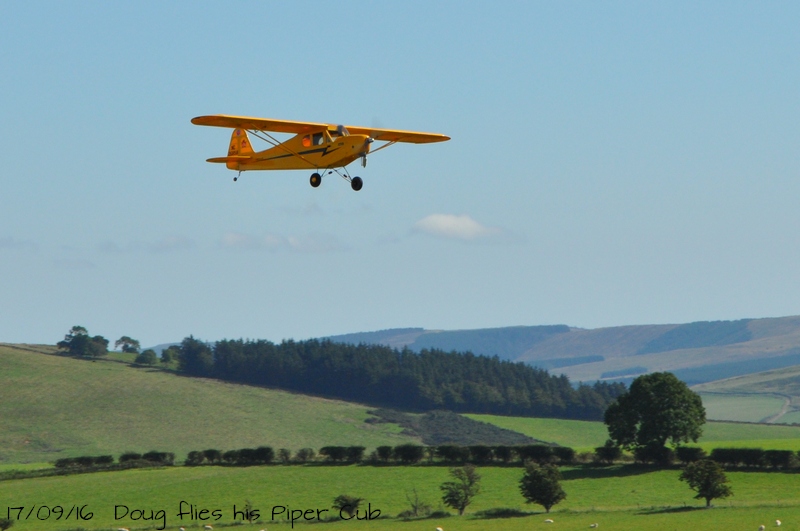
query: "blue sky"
611, 163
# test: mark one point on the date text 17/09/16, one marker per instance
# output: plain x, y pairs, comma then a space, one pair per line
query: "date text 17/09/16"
189, 512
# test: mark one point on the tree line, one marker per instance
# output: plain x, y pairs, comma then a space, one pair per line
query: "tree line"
403, 379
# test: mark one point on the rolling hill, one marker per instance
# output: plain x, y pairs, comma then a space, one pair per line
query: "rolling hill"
769, 396
53, 406
696, 352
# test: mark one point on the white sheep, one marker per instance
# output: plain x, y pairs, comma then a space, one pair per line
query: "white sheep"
548, 521
762, 527
208, 528
594, 525
439, 529
777, 523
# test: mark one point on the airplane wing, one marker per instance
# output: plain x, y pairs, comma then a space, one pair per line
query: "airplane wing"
288, 126
259, 124
393, 135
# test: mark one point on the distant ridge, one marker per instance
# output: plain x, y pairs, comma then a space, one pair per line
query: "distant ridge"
697, 352
507, 343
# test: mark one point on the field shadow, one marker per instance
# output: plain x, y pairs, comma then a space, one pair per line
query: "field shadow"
501, 512
667, 510
616, 471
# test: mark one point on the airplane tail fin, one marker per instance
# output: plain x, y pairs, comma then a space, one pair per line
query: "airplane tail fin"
239, 148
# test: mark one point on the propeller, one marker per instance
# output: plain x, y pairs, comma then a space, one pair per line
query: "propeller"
367, 142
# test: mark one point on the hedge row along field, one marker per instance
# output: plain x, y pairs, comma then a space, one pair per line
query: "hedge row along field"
413, 454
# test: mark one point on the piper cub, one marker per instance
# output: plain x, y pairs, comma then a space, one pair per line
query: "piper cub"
324, 148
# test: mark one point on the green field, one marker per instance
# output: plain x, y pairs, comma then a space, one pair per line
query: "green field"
741, 407
769, 396
54, 407
584, 436
620, 497
578, 434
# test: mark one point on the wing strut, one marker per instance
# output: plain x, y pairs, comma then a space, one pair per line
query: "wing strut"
387, 144
274, 142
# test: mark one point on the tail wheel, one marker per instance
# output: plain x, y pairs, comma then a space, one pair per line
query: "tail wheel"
356, 183
315, 180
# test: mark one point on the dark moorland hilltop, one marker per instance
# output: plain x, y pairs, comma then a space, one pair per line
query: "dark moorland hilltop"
696, 352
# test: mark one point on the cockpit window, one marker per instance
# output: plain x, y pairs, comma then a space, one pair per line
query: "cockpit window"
342, 130
318, 139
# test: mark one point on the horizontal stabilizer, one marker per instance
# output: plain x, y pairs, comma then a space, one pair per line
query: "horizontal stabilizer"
232, 158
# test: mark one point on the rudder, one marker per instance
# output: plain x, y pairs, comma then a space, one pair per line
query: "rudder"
239, 146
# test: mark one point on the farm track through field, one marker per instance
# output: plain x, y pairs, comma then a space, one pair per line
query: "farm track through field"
787, 402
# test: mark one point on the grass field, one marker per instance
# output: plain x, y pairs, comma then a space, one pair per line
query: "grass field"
772, 396
584, 436
620, 497
55, 407
576, 434
741, 407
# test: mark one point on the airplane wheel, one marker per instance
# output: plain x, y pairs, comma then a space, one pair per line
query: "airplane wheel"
316, 179
235, 179
356, 183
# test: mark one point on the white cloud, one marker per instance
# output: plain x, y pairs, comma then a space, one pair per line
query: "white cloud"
456, 227
313, 243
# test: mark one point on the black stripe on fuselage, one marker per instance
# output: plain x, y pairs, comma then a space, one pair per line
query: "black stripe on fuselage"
307, 152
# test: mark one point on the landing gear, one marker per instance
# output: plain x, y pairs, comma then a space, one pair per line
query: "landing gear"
356, 183
237, 177
315, 180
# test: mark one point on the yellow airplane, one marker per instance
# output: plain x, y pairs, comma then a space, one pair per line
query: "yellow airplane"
323, 148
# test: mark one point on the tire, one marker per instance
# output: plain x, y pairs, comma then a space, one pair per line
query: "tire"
315, 180
356, 183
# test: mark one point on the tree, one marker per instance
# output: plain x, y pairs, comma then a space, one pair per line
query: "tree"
285, 456
418, 507
708, 479
129, 345
6, 523
148, 357
347, 504
75, 341
458, 494
304, 455
169, 354
608, 453
657, 408
405, 453
78, 343
98, 346
334, 453
196, 358
541, 485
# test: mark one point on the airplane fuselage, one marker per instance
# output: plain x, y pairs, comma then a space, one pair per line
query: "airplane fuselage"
306, 152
